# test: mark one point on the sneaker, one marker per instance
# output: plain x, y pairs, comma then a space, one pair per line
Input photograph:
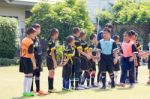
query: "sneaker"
121, 85
79, 88
52, 91
41, 93
131, 86
94, 86
148, 82
103, 87
112, 84
30, 94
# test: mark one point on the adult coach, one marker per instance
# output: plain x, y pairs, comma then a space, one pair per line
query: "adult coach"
99, 37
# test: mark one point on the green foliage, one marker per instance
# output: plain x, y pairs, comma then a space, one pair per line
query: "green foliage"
127, 12
64, 16
8, 62
104, 17
8, 27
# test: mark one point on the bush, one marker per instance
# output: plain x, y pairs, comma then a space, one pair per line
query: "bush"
8, 62
64, 16
8, 27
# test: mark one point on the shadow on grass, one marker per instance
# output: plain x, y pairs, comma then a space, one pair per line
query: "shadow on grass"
127, 88
21, 97
101, 90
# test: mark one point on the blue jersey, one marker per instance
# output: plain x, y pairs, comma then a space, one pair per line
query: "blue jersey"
107, 47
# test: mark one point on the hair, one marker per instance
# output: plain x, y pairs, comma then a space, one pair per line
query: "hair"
106, 29
116, 37
69, 39
53, 32
36, 26
82, 34
92, 36
132, 32
30, 30
75, 30
109, 25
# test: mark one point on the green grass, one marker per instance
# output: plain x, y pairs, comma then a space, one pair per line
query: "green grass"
11, 87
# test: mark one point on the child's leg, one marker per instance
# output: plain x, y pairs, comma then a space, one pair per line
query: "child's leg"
136, 73
132, 73
51, 80
25, 84
112, 79
115, 76
32, 81
37, 81
28, 82
88, 78
77, 79
123, 72
93, 78
104, 79
65, 83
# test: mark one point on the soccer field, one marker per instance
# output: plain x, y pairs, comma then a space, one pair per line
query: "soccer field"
11, 86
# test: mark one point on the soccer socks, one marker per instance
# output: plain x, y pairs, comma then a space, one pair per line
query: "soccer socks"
104, 80
92, 79
50, 83
115, 76
112, 80
37, 83
25, 84
29, 84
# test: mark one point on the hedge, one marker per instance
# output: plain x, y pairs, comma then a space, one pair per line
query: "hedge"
8, 27
8, 62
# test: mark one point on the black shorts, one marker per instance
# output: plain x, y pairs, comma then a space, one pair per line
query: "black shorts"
66, 72
50, 63
92, 65
106, 63
117, 66
76, 64
36, 73
84, 63
149, 62
38, 59
26, 65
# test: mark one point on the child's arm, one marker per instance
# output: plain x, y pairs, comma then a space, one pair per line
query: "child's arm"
31, 54
115, 53
53, 58
79, 48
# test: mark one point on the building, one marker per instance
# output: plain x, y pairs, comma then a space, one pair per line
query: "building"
19, 9
94, 5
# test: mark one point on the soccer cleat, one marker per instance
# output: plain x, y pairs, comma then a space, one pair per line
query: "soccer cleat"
30, 94
41, 93
52, 91
103, 87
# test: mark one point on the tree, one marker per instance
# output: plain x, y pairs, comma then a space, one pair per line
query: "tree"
62, 15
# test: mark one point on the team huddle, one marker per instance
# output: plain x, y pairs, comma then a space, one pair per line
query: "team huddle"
81, 60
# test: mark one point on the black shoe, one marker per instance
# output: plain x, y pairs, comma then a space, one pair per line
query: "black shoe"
103, 87
113, 84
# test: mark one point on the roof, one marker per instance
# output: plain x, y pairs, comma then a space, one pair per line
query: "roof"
29, 2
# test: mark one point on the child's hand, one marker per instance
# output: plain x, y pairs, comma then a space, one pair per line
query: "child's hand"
34, 67
88, 57
131, 59
115, 61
